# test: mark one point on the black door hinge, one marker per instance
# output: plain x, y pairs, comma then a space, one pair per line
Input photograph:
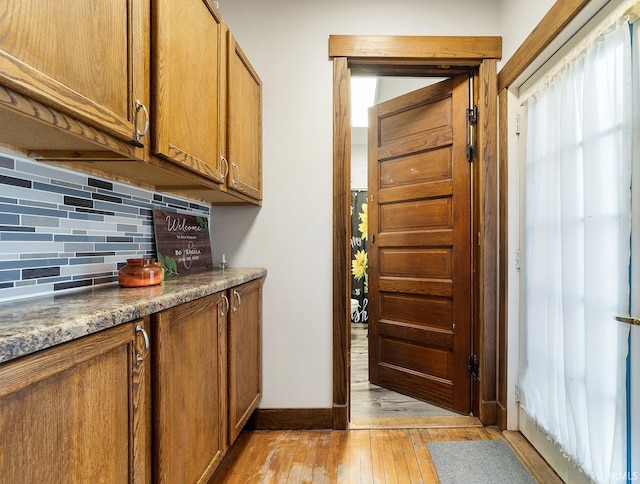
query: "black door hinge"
472, 120
472, 115
471, 153
473, 366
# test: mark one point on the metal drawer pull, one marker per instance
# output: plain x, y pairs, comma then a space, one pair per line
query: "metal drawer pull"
145, 130
226, 167
633, 321
226, 302
141, 357
235, 308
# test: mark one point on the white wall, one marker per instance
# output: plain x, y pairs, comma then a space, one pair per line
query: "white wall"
517, 19
291, 235
392, 87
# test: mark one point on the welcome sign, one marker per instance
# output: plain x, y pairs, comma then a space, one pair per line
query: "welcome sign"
182, 242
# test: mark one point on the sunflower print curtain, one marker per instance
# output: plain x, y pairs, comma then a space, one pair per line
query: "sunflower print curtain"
359, 257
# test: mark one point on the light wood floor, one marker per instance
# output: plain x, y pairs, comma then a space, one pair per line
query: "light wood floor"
386, 441
370, 401
355, 456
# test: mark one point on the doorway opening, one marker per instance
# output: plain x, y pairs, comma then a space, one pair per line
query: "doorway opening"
419, 57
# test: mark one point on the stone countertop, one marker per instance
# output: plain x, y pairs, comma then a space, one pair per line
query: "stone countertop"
30, 325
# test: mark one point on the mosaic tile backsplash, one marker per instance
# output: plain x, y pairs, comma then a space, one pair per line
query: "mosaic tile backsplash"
62, 230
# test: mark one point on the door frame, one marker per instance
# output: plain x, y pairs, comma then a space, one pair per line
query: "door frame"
421, 56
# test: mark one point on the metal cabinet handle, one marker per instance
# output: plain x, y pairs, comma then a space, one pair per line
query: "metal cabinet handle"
226, 302
226, 167
236, 169
632, 321
141, 134
235, 293
140, 357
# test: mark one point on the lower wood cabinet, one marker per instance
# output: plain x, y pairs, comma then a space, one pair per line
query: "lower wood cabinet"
244, 354
207, 380
125, 406
78, 412
189, 389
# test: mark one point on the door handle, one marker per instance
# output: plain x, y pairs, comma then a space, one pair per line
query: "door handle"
633, 321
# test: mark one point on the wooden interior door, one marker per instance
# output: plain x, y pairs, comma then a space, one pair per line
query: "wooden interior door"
420, 281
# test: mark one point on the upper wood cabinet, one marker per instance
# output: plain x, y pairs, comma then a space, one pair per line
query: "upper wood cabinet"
187, 80
206, 98
189, 389
244, 123
78, 412
154, 92
244, 359
84, 59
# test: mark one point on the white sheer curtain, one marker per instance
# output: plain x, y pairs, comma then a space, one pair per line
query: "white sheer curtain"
576, 264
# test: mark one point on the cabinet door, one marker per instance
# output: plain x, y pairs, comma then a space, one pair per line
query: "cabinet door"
188, 390
244, 128
186, 60
244, 335
85, 59
76, 412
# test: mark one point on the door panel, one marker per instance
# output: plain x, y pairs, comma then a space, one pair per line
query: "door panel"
407, 124
418, 310
432, 263
413, 216
435, 390
425, 359
424, 167
420, 256
415, 333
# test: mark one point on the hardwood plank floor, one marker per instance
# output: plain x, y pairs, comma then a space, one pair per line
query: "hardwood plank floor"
386, 442
370, 401
537, 466
354, 456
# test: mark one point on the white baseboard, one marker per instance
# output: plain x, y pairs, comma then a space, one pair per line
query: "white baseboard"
548, 450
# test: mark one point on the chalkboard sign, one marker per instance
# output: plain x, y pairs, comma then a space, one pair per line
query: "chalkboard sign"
182, 242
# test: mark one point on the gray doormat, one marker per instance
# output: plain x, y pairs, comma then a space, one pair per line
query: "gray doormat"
478, 462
